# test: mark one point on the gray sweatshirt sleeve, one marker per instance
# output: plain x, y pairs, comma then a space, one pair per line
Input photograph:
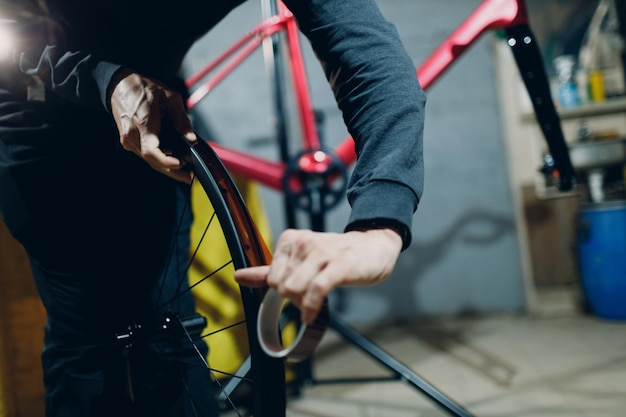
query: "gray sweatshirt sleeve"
376, 88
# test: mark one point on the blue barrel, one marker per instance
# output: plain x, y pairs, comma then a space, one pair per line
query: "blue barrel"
602, 258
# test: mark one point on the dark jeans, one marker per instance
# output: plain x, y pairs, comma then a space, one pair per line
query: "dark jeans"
99, 225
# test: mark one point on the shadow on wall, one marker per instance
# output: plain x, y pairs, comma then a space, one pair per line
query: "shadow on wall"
474, 228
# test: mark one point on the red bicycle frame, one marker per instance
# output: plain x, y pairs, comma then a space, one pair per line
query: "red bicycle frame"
510, 15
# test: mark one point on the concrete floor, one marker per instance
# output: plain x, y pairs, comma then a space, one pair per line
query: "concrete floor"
562, 363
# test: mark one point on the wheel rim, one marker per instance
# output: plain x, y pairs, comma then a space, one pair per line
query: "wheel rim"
266, 376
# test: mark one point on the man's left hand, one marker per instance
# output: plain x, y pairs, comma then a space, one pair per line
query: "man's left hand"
308, 265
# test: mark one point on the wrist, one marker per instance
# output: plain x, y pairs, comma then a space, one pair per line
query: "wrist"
393, 226
117, 77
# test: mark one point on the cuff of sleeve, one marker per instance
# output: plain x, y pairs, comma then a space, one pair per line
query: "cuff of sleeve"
384, 205
103, 73
403, 230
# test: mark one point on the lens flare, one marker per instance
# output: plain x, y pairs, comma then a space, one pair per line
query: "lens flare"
6, 39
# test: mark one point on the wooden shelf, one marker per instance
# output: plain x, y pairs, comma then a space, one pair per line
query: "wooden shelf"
610, 106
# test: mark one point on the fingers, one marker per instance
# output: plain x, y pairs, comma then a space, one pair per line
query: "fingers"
298, 272
151, 152
255, 276
147, 148
303, 271
314, 294
308, 265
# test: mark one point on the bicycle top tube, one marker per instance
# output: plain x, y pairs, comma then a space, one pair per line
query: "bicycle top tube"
489, 15
237, 53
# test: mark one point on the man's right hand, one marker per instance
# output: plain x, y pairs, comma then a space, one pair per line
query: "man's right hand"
138, 105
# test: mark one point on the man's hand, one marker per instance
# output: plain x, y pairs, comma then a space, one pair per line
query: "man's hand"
138, 105
308, 265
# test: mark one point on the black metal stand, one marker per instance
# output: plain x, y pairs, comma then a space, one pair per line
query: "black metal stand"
401, 371
315, 192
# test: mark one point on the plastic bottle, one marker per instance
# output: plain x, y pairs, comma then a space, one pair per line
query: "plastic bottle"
567, 90
582, 82
601, 53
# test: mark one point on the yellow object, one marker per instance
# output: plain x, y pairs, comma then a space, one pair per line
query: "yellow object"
596, 85
218, 298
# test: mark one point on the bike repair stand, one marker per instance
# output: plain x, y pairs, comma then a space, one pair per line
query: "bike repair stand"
316, 181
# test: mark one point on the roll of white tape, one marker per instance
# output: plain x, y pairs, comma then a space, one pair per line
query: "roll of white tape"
268, 330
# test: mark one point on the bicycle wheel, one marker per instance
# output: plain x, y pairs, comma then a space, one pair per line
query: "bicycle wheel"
261, 377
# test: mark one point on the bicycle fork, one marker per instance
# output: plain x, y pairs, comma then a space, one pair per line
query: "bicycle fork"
523, 44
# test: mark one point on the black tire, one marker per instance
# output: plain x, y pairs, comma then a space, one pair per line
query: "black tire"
261, 378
